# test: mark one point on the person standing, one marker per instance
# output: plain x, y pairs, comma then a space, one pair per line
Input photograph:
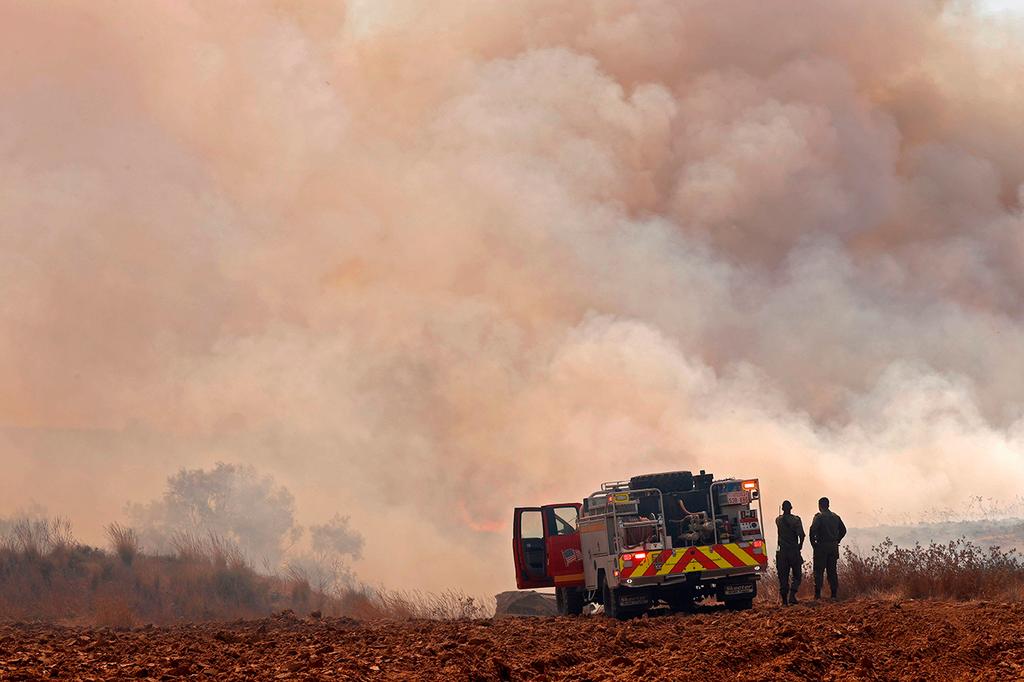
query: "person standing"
827, 531
788, 559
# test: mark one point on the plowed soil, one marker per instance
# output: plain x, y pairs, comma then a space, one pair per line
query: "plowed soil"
860, 640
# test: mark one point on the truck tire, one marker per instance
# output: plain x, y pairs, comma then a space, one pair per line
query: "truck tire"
668, 482
569, 600
611, 603
612, 609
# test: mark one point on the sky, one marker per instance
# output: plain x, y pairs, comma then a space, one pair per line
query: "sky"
422, 265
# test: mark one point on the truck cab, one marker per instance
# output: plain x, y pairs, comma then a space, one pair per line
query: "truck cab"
547, 552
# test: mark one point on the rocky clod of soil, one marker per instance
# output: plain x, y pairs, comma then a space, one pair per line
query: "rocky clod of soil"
861, 640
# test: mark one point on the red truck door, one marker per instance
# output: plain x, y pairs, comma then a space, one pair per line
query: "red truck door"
564, 552
546, 546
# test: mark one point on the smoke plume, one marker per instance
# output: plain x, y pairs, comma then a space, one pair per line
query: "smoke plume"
423, 262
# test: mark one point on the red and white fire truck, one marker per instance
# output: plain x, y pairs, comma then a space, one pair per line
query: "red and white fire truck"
675, 538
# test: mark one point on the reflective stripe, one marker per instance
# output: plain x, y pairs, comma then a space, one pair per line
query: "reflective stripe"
641, 569
742, 554
571, 578
692, 559
670, 564
700, 555
720, 561
729, 555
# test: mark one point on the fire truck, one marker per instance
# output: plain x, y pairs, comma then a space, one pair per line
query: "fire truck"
675, 539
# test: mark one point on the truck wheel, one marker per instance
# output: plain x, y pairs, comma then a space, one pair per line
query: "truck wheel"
611, 602
739, 604
574, 601
612, 609
569, 600
669, 482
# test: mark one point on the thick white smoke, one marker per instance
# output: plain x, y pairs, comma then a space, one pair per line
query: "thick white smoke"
426, 261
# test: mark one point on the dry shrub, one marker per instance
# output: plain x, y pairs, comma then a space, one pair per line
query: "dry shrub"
959, 570
320, 584
123, 541
36, 537
38, 564
113, 610
362, 604
210, 548
380, 603
44, 576
768, 588
956, 570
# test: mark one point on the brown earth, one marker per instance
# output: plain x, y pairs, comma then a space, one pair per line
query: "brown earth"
859, 640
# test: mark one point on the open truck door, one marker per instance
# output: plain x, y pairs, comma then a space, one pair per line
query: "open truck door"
546, 546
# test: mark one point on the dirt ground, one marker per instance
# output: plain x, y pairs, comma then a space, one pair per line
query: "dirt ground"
860, 640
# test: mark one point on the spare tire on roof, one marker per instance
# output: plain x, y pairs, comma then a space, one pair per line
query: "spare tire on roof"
668, 482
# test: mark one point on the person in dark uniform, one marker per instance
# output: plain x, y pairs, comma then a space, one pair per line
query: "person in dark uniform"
787, 556
827, 531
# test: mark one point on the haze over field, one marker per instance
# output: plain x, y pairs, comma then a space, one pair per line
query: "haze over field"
425, 261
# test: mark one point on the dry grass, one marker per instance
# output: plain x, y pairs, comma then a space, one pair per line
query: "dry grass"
123, 541
958, 570
46, 576
406, 604
35, 537
210, 548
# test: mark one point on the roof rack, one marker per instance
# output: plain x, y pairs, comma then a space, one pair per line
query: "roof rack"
615, 485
